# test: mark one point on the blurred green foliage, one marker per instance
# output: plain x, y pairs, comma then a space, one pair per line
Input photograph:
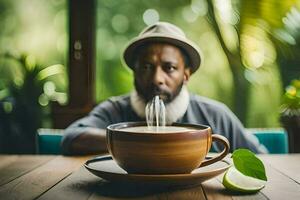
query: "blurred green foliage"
29, 82
291, 99
21, 99
37, 28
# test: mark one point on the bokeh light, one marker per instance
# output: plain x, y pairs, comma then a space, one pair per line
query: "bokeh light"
49, 88
150, 16
189, 15
120, 23
199, 7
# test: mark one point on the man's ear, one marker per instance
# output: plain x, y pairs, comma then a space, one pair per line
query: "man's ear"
187, 74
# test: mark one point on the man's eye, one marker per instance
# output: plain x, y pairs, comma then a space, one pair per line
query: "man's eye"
147, 66
170, 68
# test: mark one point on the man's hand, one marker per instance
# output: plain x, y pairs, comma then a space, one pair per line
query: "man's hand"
93, 141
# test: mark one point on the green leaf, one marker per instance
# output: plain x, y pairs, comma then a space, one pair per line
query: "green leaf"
248, 164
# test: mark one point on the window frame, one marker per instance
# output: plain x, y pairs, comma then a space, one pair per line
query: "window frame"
81, 63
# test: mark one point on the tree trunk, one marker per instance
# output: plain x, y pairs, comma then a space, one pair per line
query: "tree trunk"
241, 87
241, 93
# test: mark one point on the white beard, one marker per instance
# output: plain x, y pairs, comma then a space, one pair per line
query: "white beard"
174, 110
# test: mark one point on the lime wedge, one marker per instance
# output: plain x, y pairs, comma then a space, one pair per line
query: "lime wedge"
238, 182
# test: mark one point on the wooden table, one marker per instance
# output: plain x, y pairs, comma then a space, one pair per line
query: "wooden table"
59, 177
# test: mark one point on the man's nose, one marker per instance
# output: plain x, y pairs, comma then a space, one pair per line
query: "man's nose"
158, 76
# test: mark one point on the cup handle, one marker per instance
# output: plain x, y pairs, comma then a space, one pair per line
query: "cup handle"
220, 156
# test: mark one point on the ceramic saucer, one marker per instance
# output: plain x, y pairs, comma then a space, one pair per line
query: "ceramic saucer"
105, 167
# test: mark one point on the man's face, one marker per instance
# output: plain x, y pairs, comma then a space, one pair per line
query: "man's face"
160, 70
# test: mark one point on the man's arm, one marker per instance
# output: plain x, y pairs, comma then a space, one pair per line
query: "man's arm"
83, 140
237, 134
88, 135
223, 121
92, 141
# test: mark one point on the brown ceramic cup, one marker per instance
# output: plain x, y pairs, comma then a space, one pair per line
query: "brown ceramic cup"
171, 152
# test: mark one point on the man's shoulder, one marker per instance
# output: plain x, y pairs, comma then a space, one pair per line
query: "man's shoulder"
209, 106
115, 101
213, 109
206, 102
120, 99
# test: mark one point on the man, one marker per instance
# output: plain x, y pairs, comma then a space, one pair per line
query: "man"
162, 59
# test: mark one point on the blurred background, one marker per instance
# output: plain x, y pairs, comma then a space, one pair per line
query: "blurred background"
251, 54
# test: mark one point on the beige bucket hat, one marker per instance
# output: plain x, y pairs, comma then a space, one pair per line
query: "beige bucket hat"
164, 32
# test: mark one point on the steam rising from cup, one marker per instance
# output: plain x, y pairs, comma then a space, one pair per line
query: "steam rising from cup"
155, 114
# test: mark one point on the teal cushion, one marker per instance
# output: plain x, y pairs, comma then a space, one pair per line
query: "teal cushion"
49, 141
276, 141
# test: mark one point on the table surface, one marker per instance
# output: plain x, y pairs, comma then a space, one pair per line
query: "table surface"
59, 177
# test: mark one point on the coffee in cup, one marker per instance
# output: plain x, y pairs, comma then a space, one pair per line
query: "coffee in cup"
176, 149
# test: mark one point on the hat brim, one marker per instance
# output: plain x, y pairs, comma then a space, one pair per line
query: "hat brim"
191, 49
